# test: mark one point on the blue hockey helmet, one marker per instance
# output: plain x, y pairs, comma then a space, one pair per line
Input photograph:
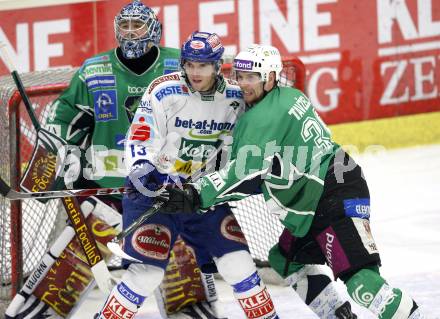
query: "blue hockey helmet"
202, 47
137, 29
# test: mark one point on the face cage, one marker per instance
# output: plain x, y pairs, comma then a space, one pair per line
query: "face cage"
128, 33
135, 48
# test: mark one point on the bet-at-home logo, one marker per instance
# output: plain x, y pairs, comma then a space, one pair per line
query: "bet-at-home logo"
196, 150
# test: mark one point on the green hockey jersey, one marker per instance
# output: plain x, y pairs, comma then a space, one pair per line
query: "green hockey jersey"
96, 110
282, 148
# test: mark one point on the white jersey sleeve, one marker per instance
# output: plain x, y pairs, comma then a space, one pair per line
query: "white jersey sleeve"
147, 133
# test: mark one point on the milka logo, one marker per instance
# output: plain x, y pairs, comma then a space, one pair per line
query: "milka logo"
242, 64
196, 150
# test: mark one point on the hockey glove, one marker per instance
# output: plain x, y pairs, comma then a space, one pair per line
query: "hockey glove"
144, 179
176, 200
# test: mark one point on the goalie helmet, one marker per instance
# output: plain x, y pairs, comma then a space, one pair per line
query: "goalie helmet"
261, 59
137, 29
202, 47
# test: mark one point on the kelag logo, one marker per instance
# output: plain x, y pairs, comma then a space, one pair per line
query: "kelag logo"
196, 150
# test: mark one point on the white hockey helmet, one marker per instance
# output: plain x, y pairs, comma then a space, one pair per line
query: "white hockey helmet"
262, 59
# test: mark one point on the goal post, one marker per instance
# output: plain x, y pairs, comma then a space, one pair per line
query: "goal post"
27, 228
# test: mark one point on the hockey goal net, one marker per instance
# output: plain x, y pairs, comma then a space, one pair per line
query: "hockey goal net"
28, 228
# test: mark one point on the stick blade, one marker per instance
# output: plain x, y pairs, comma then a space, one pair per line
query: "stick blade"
4, 188
116, 249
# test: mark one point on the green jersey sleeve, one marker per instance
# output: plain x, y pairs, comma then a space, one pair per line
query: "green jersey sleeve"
71, 115
242, 175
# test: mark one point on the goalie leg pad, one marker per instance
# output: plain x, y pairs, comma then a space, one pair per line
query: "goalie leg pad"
370, 290
103, 211
208, 281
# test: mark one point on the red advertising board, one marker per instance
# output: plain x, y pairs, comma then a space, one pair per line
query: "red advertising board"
365, 59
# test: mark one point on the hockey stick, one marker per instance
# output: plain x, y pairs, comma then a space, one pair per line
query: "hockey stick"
6, 191
115, 244
51, 141
8, 62
88, 242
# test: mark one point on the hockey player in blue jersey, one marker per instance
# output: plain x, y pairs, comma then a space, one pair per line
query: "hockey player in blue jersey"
183, 119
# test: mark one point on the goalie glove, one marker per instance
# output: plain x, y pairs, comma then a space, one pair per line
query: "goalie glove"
179, 200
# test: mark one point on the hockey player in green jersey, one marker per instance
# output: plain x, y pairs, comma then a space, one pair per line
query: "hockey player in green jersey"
282, 147
95, 111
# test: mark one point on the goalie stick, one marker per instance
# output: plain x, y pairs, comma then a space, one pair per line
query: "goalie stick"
25, 303
8, 62
96, 261
41, 270
6, 191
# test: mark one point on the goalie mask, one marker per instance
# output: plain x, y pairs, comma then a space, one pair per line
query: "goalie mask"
137, 29
261, 59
